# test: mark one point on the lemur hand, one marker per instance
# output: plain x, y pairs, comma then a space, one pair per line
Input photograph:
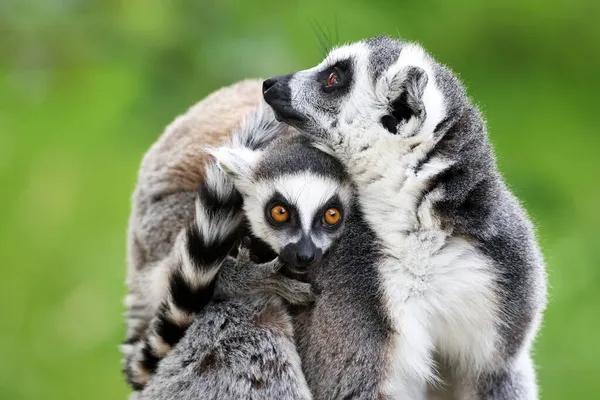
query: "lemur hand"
242, 276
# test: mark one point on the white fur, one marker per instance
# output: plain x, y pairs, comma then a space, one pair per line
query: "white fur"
215, 227
160, 347
218, 181
236, 161
195, 276
438, 289
180, 317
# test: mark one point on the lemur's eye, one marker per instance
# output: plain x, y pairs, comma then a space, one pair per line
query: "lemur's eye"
332, 216
333, 79
279, 213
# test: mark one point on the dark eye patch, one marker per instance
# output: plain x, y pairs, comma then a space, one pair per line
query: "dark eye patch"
278, 199
343, 69
317, 222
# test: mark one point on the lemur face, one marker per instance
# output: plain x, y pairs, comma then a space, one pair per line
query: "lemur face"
297, 210
299, 215
368, 90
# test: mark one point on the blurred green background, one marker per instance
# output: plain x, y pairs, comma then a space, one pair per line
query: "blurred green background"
87, 86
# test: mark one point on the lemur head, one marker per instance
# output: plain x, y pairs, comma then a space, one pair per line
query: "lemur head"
296, 196
381, 89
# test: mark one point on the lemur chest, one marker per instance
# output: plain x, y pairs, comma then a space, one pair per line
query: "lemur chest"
429, 278
408, 231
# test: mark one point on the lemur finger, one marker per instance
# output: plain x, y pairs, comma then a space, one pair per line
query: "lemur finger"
270, 267
291, 290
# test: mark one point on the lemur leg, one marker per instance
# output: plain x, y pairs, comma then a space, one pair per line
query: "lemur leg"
200, 250
514, 380
237, 277
241, 348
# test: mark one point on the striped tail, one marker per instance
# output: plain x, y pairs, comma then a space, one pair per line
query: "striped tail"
200, 250
258, 129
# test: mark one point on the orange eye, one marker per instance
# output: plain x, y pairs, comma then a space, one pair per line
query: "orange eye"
280, 214
332, 216
333, 79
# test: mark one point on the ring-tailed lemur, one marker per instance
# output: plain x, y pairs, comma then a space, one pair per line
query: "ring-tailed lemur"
296, 199
461, 277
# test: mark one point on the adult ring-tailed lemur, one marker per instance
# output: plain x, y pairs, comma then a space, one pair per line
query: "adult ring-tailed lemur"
461, 283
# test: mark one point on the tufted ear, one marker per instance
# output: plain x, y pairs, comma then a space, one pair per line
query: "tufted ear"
237, 162
404, 92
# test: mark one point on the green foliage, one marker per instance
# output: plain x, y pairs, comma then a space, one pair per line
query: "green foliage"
87, 86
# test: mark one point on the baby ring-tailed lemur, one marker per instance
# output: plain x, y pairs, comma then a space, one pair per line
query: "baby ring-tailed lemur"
460, 277
240, 343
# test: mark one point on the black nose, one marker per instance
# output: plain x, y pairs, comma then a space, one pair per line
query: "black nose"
301, 255
268, 84
305, 257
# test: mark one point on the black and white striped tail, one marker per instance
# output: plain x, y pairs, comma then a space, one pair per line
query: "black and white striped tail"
201, 249
258, 129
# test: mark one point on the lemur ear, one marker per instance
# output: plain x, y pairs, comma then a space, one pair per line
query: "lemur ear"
405, 97
237, 162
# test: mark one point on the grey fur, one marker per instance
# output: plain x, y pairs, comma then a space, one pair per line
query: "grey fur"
465, 200
341, 338
237, 349
241, 345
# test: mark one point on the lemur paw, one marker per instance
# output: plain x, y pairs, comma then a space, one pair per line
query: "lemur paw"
241, 275
291, 290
